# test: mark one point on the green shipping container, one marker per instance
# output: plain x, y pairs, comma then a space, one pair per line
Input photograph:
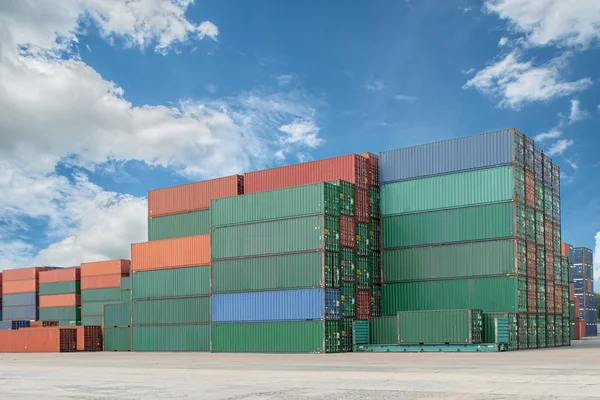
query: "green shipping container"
376, 272
174, 282
566, 332
440, 326
541, 262
499, 257
171, 338
539, 196
558, 331
571, 310
117, 315
522, 333
541, 296
557, 271
532, 331
572, 325
497, 294
490, 331
348, 265
179, 225
530, 233
375, 234
111, 294
363, 236
376, 301
285, 271
91, 321
564, 263
541, 329
375, 201
348, 296
550, 331
316, 232
363, 273
557, 241
60, 314
126, 283
126, 296
274, 337
384, 330
346, 197
72, 287
187, 310
496, 221
292, 202
548, 203
483, 186
539, 227
347, 341
117, 339
94, 308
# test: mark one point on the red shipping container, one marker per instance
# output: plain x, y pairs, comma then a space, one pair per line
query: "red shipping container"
531, 260
549, 236
28, 286
60, 300
192, 196
550, 292
60, 275
565, 249
549, 265
100, 282
590, 285
351, 168
571, 291
558, 300
347, 232
191, 251
579, 330
532, 301
577, 310
529, 189
363, 305
23, 274
39, 340
89, 338
111, 267
372, 168
362, 205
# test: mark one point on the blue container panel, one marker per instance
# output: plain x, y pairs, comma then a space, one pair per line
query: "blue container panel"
20, 299
20, 313
5, 325
576, 272
12, 325
578, 285
453, 155
591, 330
279, 305
581, 298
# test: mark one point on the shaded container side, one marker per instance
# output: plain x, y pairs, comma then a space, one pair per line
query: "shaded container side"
60, 300
541, 296
363, 239
292, 202
60, 275
375, 202
283, 305
171, 253
375, 235
347, 232
362, 205
384, 330
541, 332
95, 308
171, 338
175, 282
462, 189
496, 221
179, 225
459, 154
532, 331
23, 274
110, 294
281, 236
188, 310
20, 299
20, 313
538, 163
117, 339
348, 265
348, 299
72, 287
192, 196
112, 267
373, 168
72, 313
117, 315
440, 326
91, 320
364, 279
500, 257
363, 305
490, 329
522, 333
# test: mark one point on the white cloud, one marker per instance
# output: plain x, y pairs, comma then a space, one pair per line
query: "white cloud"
515, 83
466, 10
286, 79
301, 131
503, 41
376, 86
552, 134
551, 22
576, 113
403, 97
560, 146
468, 71
209, 29
571, 163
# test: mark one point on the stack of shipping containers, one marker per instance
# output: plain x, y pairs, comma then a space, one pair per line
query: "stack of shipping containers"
116, 320
60, 296
20, 293
582, 274
0, 296
100, 285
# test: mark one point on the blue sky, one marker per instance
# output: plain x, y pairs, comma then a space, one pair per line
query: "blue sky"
101, 108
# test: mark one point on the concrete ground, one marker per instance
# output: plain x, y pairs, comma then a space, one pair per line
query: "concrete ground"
565, 373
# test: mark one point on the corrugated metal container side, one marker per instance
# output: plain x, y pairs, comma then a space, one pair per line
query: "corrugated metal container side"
376, 301
364, 279
348, 265
117, 339
269, 337
284, 305
126, 296
541, 296
23, 274
500, 257
348, 298
375, 235
20, 313
60, 275
95, 308
530, 200
170, 253
61, 314
346, 197
320, 198
347, 232
117, 315
496, 221
112, 267
187, 310
126, 283
522, 331
529, 153
538, 163
532, 331
532, 296
541, 262
363, 305
558, 332
362, 205
565, 250
192, 196
91, 320
60, 300
499, 294
179, 225
492, 185
14, 287
60, 288
541, 332
101, 282
351, 168
110, 294
281, 236
531, 257
300, 270
384, 330
452, 155
375, 202
20, 299
172, 338
176, 282
373, 167
490, 329
38, 340
363, 237
441, 326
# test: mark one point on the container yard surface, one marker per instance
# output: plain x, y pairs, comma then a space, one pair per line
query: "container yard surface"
533, 374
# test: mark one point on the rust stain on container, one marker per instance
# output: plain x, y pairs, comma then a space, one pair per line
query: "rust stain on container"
27, 286
100, 282
350, 168
191, 251
111, 267
192, 196
60, 300
60, 275
39, 340
21, 274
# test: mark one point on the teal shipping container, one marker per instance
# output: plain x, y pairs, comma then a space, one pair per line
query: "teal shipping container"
179, 225
117, 339
172, 338
172, 282
491, 329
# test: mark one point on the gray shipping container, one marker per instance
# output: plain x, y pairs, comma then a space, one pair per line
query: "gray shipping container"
453, 155
20, 313
20, 299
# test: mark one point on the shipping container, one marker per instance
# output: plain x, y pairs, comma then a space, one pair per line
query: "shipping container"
348, 265
550, 293
126, 283
530, 200
376, 271
532, 296
539, 197
60, 300
558, 300
490, 330
372, 168
376, 301
530, 233
61, 314
95, 308
351, 168
363, 305
117, 315
73, 287
126, 296
384, 330
175, 282
39, 340
541, 332
117, 339
532, 331
347, 206
440, 327
112, 267
89, 338
20, 299
363, 273
23, 274
529, 155
565, 250
95, 320
363, 236
566, 331
556, 208
179, 225
550, 331
541, 296
170, 253
556, 178
459, 154
109, 294
375, 202
522, 332
282, 305
172, 338
60, 275
20, 313
101, 282
541, 262
8, 325
192, 196
539, 227
187, 310
558, 332
347, 232
548, 215
547, 170
362, 205
14, 287
347, 334
538, 164
375, 235
348, 299
531, 260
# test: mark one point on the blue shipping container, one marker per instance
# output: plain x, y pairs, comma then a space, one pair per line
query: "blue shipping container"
578, 285
279, 305
453, 155
591, 330
581, 255
20, 299
12, 325
576, 272
581, 298
20, 313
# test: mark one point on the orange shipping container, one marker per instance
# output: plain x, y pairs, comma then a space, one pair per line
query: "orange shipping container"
22, 274
60, 300
571, 291
192, 196
188, 251
89, 338
12, 287
112, 267
60, 275
100, 282
565, 249
38, 340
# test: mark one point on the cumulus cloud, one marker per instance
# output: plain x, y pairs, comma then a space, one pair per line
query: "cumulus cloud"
560, 146
301, 131
552, 134
209, 29
503, 41
576, 113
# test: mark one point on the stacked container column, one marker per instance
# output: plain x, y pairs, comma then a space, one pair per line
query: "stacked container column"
100, 285
60, 296
20, 293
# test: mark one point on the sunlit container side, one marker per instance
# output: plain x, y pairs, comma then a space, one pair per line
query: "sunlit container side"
490, 333
60, 300
187, 310
558, 331
452, 155
490, 185
346, 197
60, 288
464, 260
100, 282
489, 222
95, 308
117, 315
530, 199
23, 274
283, 305
539, 227
39, 340
171, 338
176, 282
273, 237
531, 260
170, 253
528, 156
112, 267
550, 331
384, 330
319, 198
277, 337
179, 225
93, 320
539, 197
362, 205
550, 300
65, 315
497, 294
363, 237
14, 287
93, 295
363, 273
376, 301
117, 339
566, 331
60, 275
440, 326
192, 196
20, 299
